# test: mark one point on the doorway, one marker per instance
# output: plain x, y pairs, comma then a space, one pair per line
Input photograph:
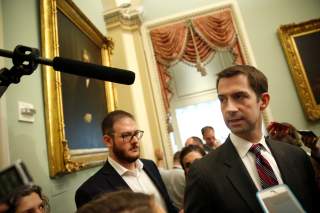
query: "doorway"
194, 103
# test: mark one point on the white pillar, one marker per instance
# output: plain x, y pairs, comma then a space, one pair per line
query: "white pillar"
123, 26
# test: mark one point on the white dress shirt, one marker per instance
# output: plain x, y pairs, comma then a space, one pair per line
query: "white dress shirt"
138, 180
249, 159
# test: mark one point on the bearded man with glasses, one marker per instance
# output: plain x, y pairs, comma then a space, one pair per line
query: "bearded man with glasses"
124, 169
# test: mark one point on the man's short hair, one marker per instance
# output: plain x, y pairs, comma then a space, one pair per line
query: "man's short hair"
197, 139
191, 148
257, 80
120, 201
206, 128
111, 118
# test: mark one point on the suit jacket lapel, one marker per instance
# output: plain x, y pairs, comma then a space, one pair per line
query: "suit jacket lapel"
239, 176
151, 175
283, 161
113, 177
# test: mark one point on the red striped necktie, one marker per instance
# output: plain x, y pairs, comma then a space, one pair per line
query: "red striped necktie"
266, 174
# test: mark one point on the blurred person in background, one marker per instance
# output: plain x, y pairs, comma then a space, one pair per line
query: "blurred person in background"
189, 154
285, 132
209, 137
28, 199
122, 202
174, 179
194, 140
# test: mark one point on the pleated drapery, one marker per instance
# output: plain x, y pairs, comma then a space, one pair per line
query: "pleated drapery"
195, 42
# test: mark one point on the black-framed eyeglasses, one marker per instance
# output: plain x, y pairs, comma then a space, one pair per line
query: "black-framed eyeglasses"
128, 136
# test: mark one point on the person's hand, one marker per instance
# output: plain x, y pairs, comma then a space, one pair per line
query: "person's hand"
3, 207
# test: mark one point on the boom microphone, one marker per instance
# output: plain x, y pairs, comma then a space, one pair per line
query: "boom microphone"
26, 59
89, 70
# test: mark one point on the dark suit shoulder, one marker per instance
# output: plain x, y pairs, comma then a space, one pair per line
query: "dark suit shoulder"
201, 188
217, 156
150, 166
94, 179
286, 148
148, 162
297, 172
94, 186
215, 182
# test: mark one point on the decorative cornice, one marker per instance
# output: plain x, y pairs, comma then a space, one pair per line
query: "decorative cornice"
128, 19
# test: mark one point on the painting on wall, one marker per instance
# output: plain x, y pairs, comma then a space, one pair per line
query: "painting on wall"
74, 105
301, 44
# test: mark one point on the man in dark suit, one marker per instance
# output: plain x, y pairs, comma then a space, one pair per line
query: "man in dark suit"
124, 169
227, 179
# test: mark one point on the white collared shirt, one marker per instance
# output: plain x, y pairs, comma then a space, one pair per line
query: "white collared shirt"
138, 180
249, 159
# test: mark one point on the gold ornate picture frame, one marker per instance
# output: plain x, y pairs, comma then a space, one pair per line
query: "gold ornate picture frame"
301, 44
58, 18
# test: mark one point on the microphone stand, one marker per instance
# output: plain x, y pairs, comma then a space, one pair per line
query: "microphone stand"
25, 60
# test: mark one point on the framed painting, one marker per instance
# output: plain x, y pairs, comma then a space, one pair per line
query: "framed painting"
74, 106
301, 44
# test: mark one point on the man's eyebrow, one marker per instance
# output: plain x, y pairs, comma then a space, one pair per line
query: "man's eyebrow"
234, 93
240, 93
221, 96
127, 132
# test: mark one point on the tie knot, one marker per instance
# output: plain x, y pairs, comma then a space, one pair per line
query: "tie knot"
256, 148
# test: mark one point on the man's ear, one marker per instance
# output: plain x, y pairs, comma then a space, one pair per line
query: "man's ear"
107, 140
265, 98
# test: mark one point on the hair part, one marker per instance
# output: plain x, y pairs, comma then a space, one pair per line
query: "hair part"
257, 80
112, 118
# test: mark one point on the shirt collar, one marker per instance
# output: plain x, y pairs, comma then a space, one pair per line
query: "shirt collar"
122, 170
242, 146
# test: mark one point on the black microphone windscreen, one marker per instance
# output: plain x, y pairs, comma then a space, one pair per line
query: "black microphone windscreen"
89, 70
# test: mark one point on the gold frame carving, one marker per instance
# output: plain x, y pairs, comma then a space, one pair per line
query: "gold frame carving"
61, 159
287, 34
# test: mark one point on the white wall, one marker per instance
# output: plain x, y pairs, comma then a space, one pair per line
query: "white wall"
4, 143
93, 9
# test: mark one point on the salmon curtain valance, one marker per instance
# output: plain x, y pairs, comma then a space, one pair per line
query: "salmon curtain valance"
195, 42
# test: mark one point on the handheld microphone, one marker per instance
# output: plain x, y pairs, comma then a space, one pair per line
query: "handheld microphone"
89, 70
